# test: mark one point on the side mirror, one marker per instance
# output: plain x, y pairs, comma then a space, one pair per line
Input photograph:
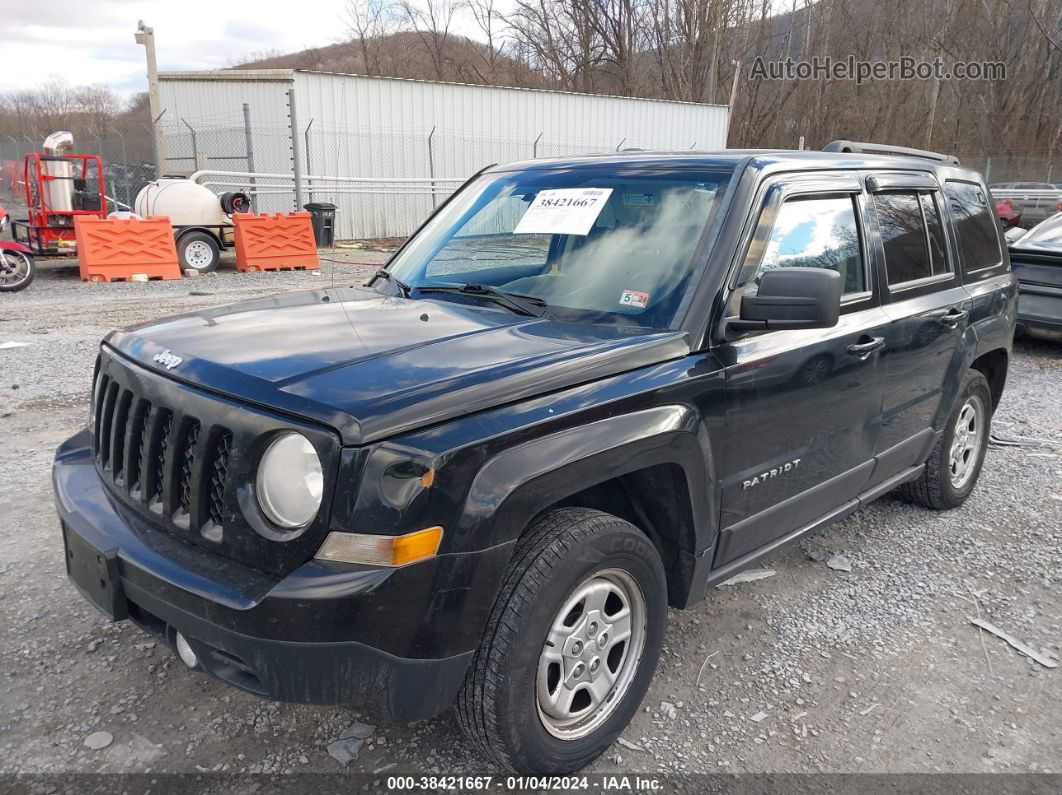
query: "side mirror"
792, 298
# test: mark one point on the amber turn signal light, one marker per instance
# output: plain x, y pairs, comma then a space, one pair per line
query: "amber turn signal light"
375, 550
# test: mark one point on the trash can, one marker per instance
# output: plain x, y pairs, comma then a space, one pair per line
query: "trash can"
323, 218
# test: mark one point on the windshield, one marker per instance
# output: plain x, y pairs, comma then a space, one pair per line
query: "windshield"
590, 245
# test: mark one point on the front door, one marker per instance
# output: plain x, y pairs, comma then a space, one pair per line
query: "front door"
802, 407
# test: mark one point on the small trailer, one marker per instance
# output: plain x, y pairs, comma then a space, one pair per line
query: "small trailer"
202, 220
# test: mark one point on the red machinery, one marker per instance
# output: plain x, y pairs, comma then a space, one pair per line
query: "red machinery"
59, 187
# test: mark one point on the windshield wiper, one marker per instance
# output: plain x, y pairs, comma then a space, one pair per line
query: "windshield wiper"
383, 273
520, 304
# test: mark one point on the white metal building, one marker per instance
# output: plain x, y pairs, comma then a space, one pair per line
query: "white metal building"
422, 135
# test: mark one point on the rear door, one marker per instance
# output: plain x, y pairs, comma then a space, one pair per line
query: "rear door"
982, 256
802, 407
928, 311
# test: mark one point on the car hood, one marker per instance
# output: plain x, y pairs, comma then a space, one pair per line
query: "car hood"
371, 366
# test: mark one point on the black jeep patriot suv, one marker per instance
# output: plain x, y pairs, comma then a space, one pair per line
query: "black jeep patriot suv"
584, 390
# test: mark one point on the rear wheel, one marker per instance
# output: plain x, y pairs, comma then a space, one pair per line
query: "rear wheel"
954, 466
16, 271
198, 251
571, 644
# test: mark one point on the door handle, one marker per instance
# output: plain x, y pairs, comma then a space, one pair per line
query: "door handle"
862, 350
954, 317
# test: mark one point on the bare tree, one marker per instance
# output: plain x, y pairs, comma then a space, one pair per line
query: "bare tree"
492, 25
369, 22
99, 105
558, 39
432, 20
619, 24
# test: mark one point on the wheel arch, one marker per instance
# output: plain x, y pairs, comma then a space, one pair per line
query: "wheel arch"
651, 467
993, 366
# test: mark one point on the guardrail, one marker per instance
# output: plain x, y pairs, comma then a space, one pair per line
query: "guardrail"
365, 206
326, 184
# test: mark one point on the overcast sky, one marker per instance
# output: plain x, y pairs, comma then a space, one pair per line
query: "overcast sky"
91, 41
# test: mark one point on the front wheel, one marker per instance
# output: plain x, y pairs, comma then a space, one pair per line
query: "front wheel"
571, 645
16, 271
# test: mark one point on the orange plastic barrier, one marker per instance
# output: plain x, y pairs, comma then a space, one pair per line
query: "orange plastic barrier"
116, 249
275, 242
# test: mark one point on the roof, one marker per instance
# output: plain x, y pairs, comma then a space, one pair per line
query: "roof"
230, 75
288, 75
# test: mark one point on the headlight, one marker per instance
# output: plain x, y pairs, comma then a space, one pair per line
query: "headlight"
290, 481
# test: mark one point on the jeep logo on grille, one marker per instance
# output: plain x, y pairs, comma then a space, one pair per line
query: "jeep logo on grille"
168, 359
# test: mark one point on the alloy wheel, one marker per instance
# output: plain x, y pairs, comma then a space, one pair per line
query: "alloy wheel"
966, 442
591, 654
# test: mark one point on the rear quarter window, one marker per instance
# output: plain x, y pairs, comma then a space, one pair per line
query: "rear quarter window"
976, 226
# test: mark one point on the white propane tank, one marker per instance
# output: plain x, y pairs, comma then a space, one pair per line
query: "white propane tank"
186, 203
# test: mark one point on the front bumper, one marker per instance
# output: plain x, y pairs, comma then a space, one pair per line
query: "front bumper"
393, 643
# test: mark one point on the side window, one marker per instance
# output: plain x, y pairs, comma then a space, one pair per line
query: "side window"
912, 236
975, 225
815, 232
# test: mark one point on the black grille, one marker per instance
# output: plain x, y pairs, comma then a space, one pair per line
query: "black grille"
188, 452
139, 431
150, 453
118, 431
219, 476
162, 444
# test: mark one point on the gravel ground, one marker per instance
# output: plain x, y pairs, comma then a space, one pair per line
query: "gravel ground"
812, 669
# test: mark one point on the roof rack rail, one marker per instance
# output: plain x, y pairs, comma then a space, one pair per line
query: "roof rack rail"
885, 149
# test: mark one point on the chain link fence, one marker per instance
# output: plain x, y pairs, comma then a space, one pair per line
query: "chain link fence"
1003, 167
128, 154
383, 182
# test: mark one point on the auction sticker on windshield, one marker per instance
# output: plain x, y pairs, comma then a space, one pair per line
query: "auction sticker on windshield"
564, 211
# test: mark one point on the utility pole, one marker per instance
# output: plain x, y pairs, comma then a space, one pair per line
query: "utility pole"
146, 36
733, 98
734, 85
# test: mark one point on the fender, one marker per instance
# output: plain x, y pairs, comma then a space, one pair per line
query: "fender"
994, 312
524, 480
181, 231
11, 245
993, 317
966, 350
521, 482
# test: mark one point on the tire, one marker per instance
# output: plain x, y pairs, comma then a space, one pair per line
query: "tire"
198, 251
19, 273
235, 202
939, 487
565, 553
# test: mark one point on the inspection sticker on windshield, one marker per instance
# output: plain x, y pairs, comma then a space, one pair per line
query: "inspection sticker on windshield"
564, 211
634, 298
